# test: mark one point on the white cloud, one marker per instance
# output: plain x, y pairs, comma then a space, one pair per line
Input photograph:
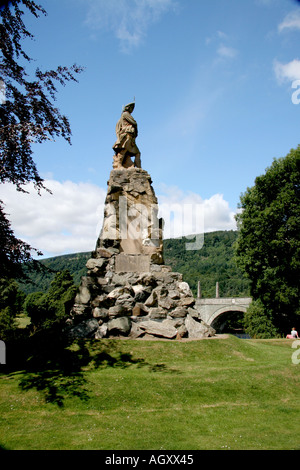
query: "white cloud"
289, 71
227, 52
222, 35
70, 220
192, 214
224, 51
291, 21
128, 19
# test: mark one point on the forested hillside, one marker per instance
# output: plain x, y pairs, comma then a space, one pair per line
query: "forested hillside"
213, 263
40, 281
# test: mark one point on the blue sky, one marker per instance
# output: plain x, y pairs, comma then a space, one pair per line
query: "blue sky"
213, 84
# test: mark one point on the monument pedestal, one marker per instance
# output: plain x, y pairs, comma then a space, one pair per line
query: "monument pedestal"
128, 290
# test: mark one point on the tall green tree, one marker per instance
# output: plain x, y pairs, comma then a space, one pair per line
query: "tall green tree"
268, 244
11, 303
14, 253
28, 115
50, 309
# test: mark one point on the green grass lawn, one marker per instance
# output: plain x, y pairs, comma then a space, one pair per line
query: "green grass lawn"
155, 395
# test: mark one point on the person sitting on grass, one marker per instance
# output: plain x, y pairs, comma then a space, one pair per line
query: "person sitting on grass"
293, 335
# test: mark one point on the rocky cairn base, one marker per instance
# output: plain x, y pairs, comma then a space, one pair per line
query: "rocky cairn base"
128, 291
156, 303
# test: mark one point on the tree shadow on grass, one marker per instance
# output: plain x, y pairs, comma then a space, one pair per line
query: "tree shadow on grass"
56, 365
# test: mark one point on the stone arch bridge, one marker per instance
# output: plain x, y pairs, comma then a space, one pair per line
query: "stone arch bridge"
211, 309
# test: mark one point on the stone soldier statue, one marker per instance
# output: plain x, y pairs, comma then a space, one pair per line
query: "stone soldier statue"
125, 146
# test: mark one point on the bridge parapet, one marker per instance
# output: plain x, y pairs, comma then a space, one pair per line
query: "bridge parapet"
210, 309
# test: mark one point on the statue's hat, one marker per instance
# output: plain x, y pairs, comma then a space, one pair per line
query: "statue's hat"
128, 105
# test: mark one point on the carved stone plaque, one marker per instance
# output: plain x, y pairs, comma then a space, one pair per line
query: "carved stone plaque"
132, 263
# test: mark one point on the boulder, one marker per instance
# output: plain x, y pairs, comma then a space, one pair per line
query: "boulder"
167, 303
85, 329
100, 313
136, 331
126, 301
117, 311
119, 291
184, 288
186, 301
158, 329
101, 331
79, 309
102, 301
174, 322
96, 263
152, 299
182, 332
178, 312
174, 294
193, 312
119, 326
140, 310
141, 292
147, 279
157, 313
106, 252
122, 279
83, 296
198, 330
167, 278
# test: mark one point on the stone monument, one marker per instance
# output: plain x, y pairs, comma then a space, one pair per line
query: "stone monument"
128, 290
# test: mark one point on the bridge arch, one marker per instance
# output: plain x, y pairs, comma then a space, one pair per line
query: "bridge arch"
227, 309
209, 310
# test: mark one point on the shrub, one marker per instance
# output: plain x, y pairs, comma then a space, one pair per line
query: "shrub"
258, 323
51, 308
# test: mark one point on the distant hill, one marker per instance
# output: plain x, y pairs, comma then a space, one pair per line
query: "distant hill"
40, 281
213, 263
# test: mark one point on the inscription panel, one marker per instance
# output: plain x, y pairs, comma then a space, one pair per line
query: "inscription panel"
132, 263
